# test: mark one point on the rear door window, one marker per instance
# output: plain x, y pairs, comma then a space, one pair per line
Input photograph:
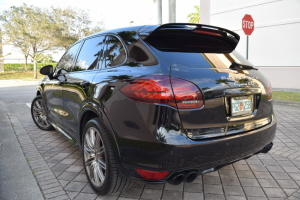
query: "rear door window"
115, 53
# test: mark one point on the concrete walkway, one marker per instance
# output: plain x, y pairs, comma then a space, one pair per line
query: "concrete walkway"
17, 179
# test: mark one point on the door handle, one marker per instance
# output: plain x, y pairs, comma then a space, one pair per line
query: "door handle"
84, 84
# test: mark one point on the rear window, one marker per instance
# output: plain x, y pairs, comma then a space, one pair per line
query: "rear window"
202, 60
190, 42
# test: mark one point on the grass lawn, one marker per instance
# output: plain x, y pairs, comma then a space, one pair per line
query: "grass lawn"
286, 96
24, 76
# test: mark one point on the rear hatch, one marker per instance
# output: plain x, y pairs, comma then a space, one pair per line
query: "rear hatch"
237, 97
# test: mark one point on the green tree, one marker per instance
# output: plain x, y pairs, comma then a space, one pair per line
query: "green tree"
26, 28
36, 31
195, 17
71, 25
45, 58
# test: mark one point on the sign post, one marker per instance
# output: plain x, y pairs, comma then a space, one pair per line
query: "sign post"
248, 28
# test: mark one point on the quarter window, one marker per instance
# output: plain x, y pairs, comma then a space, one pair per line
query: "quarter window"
67, 61
89, 54
114, 53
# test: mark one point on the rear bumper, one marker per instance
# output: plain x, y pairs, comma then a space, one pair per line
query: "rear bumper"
202, 155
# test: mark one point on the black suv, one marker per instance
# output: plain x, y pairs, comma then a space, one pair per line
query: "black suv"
160, 103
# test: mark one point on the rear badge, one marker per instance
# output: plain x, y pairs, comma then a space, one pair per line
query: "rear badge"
241, 81
239, 77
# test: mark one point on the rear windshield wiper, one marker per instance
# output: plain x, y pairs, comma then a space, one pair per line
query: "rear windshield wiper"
238, 66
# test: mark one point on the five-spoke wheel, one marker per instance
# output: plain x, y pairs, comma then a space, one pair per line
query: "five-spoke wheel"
39, 114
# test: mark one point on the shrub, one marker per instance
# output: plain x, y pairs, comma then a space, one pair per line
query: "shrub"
20, 67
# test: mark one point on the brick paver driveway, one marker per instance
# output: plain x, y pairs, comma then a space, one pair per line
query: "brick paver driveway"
57, 166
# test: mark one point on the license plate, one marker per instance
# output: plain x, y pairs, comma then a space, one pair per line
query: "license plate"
241, 105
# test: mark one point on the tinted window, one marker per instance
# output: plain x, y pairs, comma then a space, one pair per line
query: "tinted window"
189, 43
203, 60
114, 53
89, 54
139, 53
67, 61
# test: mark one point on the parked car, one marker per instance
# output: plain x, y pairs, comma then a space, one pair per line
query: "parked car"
161, 103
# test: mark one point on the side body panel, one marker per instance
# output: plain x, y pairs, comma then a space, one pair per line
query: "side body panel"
52, 93
76, 92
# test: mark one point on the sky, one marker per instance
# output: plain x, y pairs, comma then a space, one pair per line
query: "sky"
114, 13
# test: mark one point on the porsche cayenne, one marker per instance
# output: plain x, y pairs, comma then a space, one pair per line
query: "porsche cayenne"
157, 103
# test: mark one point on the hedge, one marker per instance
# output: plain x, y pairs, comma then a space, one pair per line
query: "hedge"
20, 67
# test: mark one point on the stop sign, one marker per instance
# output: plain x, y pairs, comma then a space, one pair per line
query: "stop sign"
248, 24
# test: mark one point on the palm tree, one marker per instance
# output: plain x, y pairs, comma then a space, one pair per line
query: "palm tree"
195, 17
1, 54
159, 11
172, 11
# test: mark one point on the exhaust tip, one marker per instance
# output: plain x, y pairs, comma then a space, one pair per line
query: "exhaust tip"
191, 176
267, 148
176, 179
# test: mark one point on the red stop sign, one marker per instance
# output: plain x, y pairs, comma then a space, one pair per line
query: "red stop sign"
248, 24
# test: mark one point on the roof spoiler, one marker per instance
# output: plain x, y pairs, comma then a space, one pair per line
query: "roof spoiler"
189, 29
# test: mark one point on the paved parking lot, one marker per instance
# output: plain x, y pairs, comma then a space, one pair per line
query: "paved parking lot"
58, 170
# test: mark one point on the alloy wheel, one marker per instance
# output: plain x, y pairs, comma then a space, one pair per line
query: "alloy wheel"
94, 156
39, 114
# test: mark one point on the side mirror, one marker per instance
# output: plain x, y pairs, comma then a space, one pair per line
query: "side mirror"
47, 70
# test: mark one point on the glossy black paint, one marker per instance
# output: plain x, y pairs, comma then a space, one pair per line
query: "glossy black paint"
151, 136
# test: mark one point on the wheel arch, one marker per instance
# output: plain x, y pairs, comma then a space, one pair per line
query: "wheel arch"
89, 112
39, 90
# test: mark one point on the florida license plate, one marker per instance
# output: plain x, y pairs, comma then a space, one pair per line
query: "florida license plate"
241, 105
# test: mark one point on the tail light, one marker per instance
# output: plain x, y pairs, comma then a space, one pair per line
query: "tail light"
187, 95
207, 32
151, 175
174, 92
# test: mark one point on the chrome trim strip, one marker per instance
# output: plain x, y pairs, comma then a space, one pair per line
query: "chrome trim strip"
230, 130
64, 133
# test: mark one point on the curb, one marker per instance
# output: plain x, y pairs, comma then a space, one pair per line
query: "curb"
296, 90
286, 103
18, 80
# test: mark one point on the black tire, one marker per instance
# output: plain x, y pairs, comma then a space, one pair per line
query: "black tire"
38, 114
99, 157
